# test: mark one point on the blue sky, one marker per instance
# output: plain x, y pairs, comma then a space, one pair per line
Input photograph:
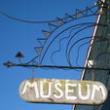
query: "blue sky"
17, 36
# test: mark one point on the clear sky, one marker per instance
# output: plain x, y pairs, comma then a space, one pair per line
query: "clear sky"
18, 36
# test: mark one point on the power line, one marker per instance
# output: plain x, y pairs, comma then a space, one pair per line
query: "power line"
24, 20
74, 16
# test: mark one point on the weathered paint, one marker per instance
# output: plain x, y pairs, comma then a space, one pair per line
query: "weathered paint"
63, 91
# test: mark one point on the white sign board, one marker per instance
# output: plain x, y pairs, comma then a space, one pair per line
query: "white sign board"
63, 91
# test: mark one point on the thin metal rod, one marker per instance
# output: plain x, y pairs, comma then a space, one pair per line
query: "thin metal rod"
54, 67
